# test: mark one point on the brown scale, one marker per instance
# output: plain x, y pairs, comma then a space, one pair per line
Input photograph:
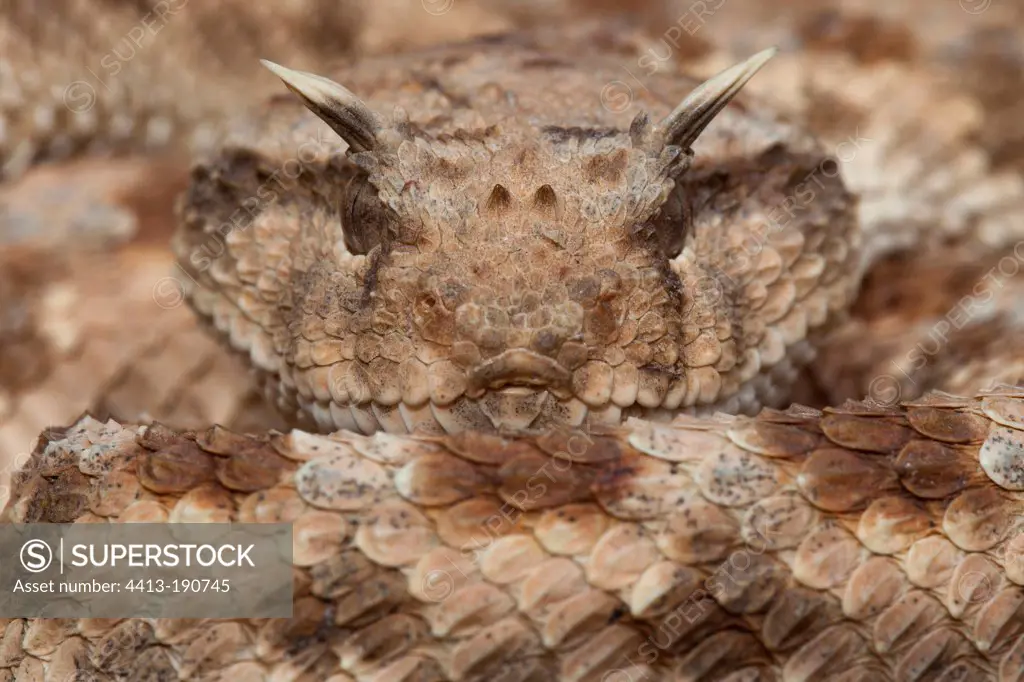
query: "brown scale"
922, 580
455, 557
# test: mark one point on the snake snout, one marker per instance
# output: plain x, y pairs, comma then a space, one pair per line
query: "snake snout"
519, 367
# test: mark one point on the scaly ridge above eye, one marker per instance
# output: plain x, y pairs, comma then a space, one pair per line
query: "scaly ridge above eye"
360, 126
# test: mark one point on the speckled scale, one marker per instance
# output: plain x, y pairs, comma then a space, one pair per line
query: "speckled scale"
549, 583
114, 493
860, 433
638, 488
532, 482
872, 587
440, 479
344, 482
937, 650
826, 655
947, 426
826, 557
1011, 665
395, 533
999, 618
476, 522
930, 561
176, 468
773, 440
619, 558
206, 503
778, 522
317, 536
1004, 410
747, 582
978, 519
698, 532
839, 480
1002, 457
736, 478
621, 539
721, 654
973, 583
468, 609
904, 621
662, 588
891, 523
934, 470
571, 529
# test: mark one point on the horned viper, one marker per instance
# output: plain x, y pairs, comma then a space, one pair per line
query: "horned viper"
531, 281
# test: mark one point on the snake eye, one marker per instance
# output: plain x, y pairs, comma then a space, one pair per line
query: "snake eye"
673, 224
364, 220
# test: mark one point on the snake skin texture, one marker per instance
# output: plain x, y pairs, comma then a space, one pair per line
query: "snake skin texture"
152, 76
636, 532
860, 543
508, 263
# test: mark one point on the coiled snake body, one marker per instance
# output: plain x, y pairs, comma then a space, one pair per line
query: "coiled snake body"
518, 308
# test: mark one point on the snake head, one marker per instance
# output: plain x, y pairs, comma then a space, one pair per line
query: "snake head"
482, 265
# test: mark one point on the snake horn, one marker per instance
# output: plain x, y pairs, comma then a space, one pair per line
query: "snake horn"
335, 104
685, 124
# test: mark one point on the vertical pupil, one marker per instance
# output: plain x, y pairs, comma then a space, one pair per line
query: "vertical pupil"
673, 223
362, 218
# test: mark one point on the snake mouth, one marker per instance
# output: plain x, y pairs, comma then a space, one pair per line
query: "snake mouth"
517, 370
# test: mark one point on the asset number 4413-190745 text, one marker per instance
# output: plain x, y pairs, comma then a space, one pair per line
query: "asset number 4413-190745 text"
178, 585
